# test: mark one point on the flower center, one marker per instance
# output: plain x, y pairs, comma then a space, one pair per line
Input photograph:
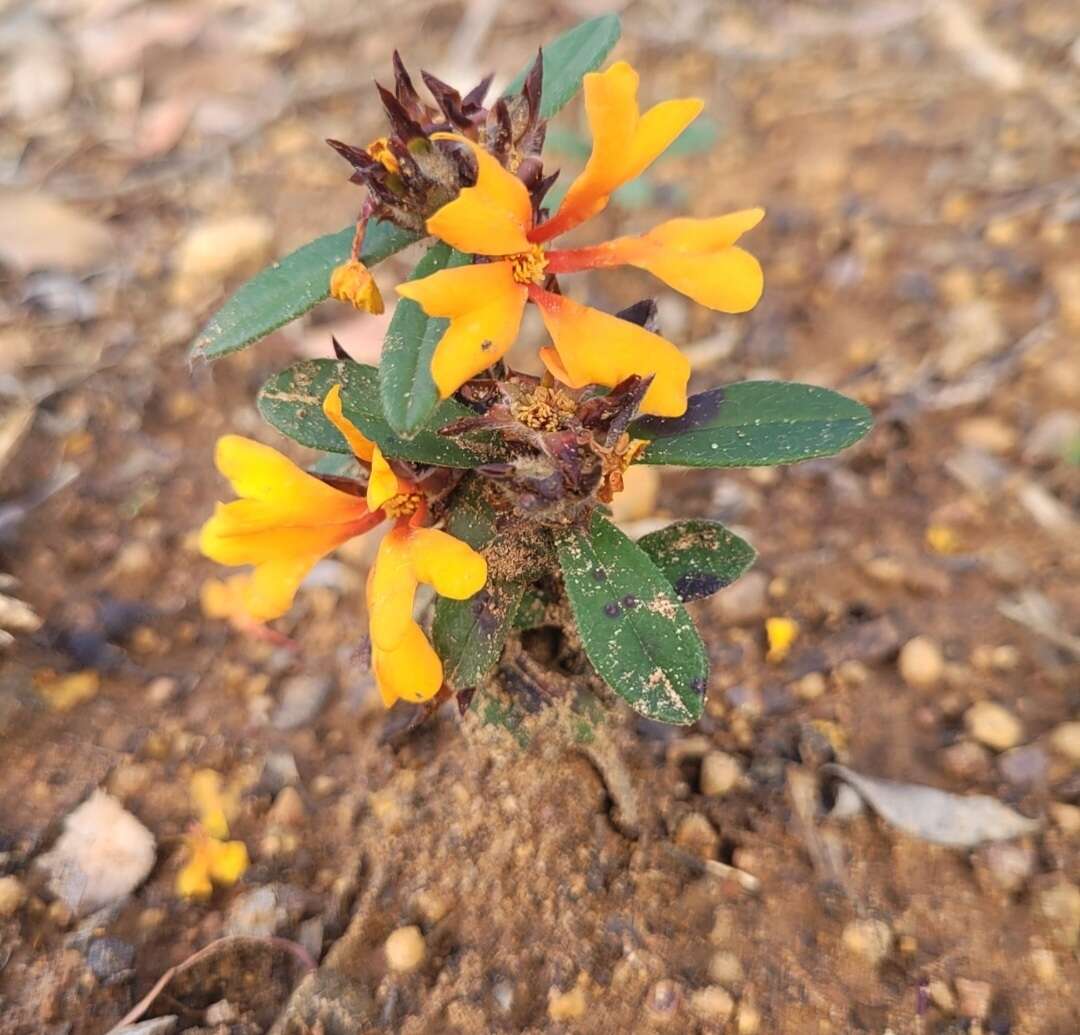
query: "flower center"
543, 409
529, 267
404, 504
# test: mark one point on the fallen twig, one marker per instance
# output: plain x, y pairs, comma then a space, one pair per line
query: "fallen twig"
144, 1004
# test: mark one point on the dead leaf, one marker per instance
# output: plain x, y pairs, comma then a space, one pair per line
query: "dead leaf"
958, 821
38, 232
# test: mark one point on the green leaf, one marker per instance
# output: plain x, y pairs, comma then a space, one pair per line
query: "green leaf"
290, 287
698, 557
567, 59
469, 634
409, 395
531, 611
292, 402
754, 424
635, 631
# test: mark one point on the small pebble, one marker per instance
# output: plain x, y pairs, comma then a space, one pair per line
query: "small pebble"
869, 939
287, 810
1044, 966
1009, 864
989, 433
941, 996
966, 760
109, 958
697, 835
993, 725
811, 686
726, 969
663, 999
566, 1006
744, 601
921, 663
748, 1020
405, 949
1060, 905
973, 998
712, 1004
221, 1012
720, 773
1065, 740
1067, 817
12, 896
302, 698
161, 690
1024, 766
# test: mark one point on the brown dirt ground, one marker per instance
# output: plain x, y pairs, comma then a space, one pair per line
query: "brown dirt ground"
922, 253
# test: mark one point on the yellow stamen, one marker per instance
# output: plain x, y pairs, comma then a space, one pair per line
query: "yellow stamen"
404, 504
544, 408
379, 149
529, 267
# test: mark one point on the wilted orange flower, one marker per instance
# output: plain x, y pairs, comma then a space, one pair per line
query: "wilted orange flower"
288, 519
210, 858
352, 282
485, 301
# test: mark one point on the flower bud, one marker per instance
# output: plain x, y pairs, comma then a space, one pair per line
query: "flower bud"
352, 282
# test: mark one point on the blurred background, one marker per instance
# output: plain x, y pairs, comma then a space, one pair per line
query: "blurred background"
920, 167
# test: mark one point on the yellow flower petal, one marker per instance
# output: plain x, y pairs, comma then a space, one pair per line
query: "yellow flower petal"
451, 566
210, 802
228, 861
383, 484
259, 472
697, 257
359, 443
781, 634
288, 520
597, 348
625, 143
390, 590
484, 304
411, 671
352, 282
491, 218
193, 880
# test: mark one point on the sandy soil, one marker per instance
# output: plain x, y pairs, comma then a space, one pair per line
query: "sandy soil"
921, 172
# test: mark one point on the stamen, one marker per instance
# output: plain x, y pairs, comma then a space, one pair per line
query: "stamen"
404, 504
543, 409
529, 267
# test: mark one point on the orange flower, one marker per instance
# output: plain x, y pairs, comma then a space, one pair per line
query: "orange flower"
406, 665
288, 519
484, 302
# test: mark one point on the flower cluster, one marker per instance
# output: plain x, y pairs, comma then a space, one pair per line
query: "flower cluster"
547, 452
287, 519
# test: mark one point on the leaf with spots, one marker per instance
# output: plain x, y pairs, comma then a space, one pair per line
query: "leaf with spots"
698, 557
754, 424
292, 402
635, 631
290, 287
469, 634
